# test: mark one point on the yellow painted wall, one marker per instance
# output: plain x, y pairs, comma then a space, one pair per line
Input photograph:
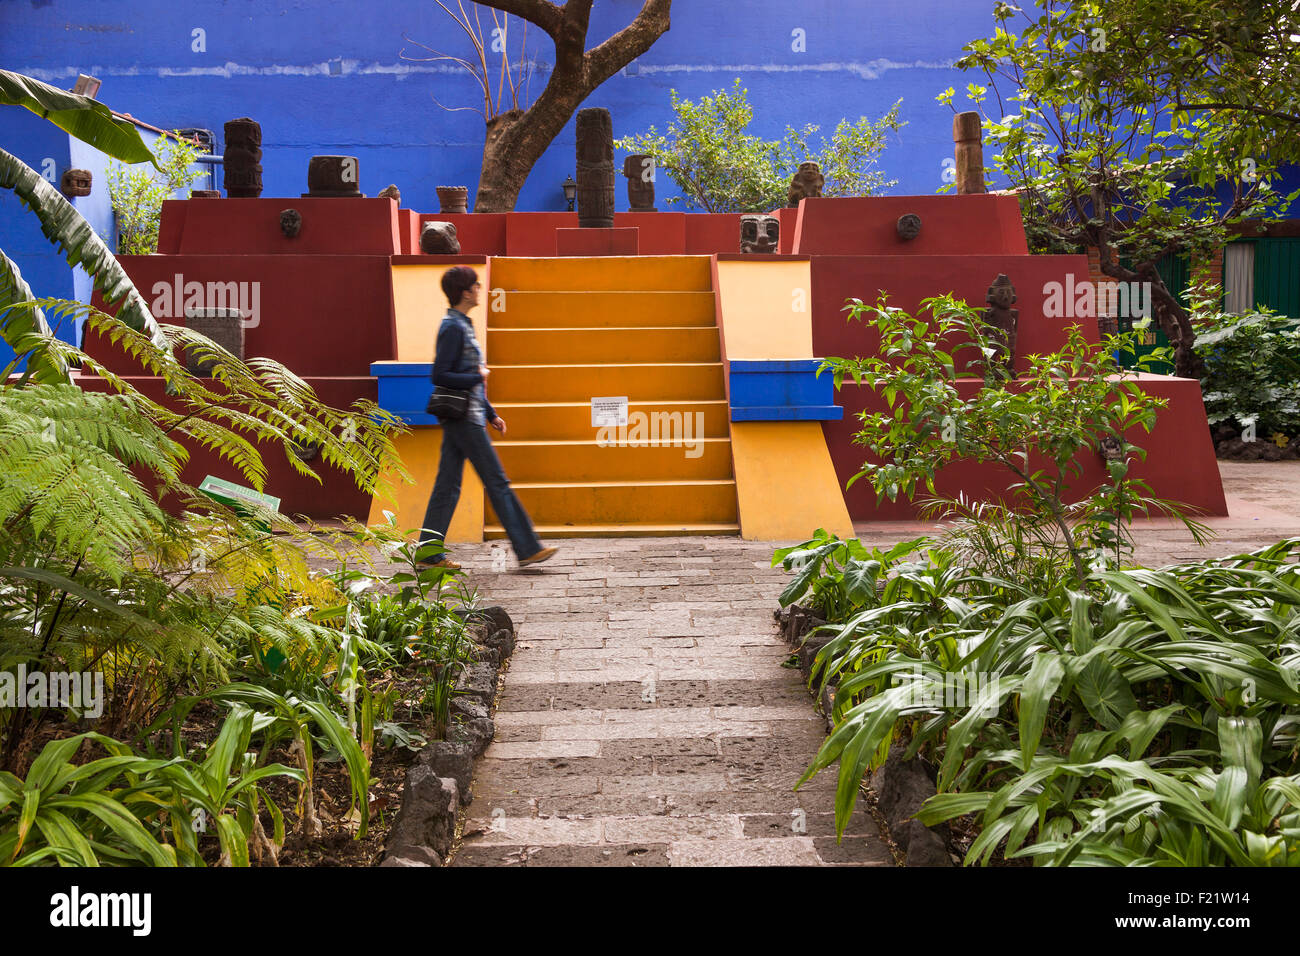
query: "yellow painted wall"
779, 499
419, 305
766, 309
420, 451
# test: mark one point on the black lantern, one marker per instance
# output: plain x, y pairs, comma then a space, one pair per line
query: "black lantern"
570, 190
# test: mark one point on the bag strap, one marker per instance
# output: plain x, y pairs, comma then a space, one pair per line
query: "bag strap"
445, 319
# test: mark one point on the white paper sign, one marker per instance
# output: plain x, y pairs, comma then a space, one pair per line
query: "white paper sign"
609, 412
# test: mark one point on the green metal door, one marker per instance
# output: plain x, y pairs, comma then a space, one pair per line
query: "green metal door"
1277, 275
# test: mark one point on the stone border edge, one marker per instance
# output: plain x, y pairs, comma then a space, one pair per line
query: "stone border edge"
438, 783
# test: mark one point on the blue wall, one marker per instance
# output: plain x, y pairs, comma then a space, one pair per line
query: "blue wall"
323, 76
326, 76
50, 151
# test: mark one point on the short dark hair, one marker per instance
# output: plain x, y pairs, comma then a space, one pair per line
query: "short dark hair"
456, 281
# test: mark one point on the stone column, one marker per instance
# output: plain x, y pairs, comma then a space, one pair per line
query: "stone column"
595, 169
970, 153
243, 159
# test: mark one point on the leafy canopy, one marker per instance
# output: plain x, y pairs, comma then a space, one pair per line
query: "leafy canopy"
720, 167
1096, 133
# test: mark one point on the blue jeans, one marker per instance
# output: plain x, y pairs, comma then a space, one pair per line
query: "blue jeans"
460, 440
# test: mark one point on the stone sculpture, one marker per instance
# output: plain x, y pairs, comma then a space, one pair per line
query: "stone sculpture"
75, 182
290, 223
391, 192
242, 161
969, 153
453, 199
333, 176
1002, 319
1111, 448
909, 226
439, 239
759, 233
640, 172
224, 326
806, 184
595, 193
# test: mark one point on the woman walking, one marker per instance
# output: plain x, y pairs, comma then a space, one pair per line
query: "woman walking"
458, 363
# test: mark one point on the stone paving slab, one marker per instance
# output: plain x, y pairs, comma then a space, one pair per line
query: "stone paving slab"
647, 718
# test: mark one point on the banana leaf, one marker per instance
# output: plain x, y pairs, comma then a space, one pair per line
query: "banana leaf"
81, 116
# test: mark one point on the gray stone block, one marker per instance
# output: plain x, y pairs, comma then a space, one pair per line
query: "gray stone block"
479, 680
476, 733
453, 759
492, 619
427, 819
413, 856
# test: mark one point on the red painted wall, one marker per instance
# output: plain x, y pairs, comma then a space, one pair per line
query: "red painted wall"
319, 315
336, 494
362, 227
908, 280
1180, 463
950, 225
480, 234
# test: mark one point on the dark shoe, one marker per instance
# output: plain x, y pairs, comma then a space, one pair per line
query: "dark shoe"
538, 558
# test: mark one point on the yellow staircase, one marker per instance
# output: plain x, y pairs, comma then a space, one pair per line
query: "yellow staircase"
563, 331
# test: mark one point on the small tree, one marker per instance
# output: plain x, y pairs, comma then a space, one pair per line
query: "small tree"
720, 167
137, 195
1072, 402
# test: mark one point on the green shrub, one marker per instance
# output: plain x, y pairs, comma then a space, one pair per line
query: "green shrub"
1252, 373
137, 195
1036, 426
1151, 719
121, 809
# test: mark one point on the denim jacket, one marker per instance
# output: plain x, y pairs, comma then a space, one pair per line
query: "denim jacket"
456, 364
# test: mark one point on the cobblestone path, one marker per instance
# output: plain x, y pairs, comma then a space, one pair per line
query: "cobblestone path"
646, 719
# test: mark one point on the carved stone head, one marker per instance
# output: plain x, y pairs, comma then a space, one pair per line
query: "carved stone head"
75, 182
909, 226
439, 239
1002, 294
640, 173
1111, 448
759, 233
807, 183
290, 223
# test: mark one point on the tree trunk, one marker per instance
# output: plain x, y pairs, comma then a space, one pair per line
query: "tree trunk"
504, 169
516, 139
1168, 313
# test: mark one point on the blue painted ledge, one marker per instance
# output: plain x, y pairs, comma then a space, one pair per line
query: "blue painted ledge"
404, 389
782, 390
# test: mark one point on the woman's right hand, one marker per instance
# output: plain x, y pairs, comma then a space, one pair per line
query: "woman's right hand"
484, 371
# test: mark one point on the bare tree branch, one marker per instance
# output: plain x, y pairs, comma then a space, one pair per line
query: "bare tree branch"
541, 13
629, 43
